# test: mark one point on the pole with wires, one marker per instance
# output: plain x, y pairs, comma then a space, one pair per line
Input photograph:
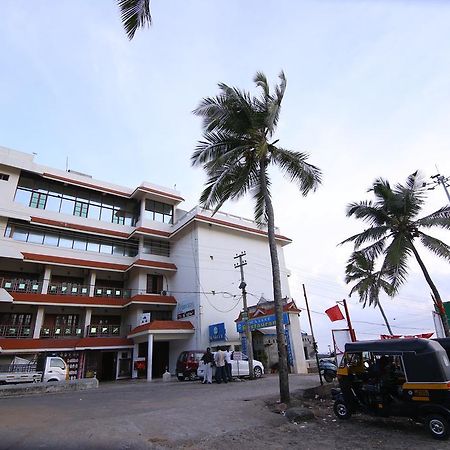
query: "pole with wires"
248, 333
312, 334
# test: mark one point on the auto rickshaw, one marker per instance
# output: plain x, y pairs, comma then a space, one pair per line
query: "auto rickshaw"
396, 377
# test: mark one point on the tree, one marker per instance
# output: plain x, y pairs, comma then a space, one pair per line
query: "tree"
237, 149
134, 14
394, 228
368, 282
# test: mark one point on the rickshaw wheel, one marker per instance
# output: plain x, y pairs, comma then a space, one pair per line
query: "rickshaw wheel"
341, 410
438, 426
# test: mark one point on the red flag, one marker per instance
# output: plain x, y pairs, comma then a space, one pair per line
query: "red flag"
334, 313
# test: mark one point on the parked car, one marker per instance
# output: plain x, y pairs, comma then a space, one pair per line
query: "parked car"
239, 368
187, 364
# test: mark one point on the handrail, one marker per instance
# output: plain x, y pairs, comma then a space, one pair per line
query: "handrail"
15, 331
68, 289
61, 332
21, 285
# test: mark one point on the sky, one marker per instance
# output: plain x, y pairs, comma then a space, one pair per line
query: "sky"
368, 96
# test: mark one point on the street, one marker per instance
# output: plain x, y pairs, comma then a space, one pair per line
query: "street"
140, 415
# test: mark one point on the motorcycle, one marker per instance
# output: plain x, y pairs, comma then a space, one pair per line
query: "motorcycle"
328, 370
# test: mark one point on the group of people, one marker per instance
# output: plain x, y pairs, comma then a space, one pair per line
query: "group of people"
222, 361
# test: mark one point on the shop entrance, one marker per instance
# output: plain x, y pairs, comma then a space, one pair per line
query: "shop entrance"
108, 366
160, 358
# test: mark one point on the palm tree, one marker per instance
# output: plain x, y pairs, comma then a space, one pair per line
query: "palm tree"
394, 228
134, 14
237, 149
369, 283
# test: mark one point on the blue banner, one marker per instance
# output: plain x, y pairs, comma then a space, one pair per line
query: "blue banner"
217, 332
244, 344
261, 322
288, 348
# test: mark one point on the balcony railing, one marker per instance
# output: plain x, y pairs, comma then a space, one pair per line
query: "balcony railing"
16, 331
68, 289
112, 292
19, 285
61, 332
105, 330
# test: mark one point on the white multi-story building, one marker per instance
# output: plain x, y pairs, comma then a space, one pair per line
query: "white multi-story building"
107, 276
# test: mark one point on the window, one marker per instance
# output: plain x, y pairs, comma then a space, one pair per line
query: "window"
160, 212
38, 200
66, 239
154, 284
155, 247
81, 209
4, 177
36, 192
56, 362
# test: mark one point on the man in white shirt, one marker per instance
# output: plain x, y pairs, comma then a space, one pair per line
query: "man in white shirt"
219, 359
228, 373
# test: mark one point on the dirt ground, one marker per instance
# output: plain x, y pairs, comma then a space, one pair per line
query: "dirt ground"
324, 432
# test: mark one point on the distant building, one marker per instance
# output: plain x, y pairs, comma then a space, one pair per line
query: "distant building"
308, 346
119, 281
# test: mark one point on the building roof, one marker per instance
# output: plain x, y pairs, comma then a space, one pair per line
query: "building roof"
163, 325
28, 344
76, 262
69, 300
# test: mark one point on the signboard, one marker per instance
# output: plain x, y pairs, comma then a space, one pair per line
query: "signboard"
261, 322
288, 347
145, 318
340, 338
244, 344
185, 310
217, 332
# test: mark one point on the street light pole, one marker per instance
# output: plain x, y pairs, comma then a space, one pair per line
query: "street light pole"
437, 180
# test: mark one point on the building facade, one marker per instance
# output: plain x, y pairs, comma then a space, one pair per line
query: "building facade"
118, 281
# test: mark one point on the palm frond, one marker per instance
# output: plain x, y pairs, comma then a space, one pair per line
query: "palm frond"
436, 246
395, 263
294, 165
439, 218
135, 14
368, 212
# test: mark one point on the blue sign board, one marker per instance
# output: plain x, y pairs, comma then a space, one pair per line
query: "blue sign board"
217, 332
288, 348
260, 322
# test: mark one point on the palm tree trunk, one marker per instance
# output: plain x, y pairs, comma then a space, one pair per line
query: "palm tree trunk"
385, 318
437, 297
282, 353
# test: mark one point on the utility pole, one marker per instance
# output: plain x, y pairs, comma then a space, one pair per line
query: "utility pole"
350, 328
248, 333
437, 180
312, 334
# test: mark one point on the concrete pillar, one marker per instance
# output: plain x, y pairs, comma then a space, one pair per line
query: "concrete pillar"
150, 357
134, 373
295, 334
92, 278
46, 281
142, 218
38, 322
87, 320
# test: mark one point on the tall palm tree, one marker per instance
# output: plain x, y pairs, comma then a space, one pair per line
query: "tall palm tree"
368, 282
237, 149
394, 229
134, 14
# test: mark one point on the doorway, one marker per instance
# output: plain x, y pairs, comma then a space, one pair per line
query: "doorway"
160, 358
108, 366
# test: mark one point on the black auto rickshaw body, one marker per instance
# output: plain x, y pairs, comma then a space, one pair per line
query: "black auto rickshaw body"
396, 377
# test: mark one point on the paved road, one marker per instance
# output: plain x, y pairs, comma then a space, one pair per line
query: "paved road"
139, 415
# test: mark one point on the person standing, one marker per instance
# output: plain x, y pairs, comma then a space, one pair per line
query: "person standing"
219, 359
228, 367
208, 361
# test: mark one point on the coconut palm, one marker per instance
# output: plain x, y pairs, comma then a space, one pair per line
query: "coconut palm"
237, 150
360, 269
134, 14
394, 228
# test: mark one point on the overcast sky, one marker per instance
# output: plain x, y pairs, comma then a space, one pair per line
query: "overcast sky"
368, 95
